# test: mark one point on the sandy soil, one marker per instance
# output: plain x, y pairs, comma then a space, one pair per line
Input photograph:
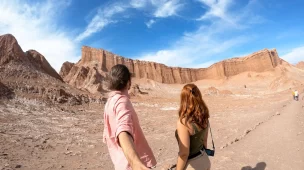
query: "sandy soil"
249, 130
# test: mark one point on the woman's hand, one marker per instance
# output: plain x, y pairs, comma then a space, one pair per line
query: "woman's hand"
169, 167
139, 166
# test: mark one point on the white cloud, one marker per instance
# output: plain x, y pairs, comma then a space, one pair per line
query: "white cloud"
218, 9
105, 14
200, 46
203, 65
97, 24
166, 8
138, 3
160, 8
103, 17
34, 27
150, 23
294, 55
195, 47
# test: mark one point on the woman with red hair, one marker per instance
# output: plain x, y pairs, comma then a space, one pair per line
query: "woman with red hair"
192, 130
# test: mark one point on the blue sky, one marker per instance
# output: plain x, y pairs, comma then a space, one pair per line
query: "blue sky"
186, 33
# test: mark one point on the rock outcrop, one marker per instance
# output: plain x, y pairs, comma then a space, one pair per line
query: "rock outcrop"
95, 63
66, 68
40, 63
214, 92
28, 74
19, 64
135, 90
85, 78
10, 50
300, 65
284, 82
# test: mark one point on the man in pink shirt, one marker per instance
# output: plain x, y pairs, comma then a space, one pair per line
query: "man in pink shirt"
123, 135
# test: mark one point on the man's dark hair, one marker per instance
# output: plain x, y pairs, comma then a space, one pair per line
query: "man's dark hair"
119, 76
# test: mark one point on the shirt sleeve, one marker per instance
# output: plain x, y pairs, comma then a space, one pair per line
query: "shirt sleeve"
124, 121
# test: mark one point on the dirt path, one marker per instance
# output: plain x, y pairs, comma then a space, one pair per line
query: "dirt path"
277, 143
35, 136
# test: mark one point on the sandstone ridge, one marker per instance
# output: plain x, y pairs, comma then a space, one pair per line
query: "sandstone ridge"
91, 69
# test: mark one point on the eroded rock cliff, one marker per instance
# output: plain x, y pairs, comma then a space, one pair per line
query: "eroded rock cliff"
95, 63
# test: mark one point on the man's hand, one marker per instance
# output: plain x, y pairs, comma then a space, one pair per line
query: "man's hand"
139, 166
127, 145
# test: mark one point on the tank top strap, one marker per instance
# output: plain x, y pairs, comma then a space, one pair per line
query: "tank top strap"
194, 127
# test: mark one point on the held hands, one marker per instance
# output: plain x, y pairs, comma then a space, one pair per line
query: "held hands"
139, 166
169, 167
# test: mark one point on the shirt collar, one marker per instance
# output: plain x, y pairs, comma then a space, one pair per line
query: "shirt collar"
124, 92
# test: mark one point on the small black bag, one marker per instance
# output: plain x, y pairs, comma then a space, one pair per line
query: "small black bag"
209, 151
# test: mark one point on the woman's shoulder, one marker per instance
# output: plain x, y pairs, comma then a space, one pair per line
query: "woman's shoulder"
182, 122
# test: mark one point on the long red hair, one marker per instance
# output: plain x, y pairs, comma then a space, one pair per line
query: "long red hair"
192, 106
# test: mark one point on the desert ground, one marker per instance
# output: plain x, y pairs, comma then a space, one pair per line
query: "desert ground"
252, 129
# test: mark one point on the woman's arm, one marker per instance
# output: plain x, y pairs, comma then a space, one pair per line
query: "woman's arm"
184, 145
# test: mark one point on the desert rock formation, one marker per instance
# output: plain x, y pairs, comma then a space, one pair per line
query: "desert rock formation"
135, 90
91, 69
66, 68
215, 91
10, 50
25, 65
40, 63
84, 78
30, 75
300, 65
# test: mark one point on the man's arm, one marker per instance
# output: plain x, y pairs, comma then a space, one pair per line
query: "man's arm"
127, 145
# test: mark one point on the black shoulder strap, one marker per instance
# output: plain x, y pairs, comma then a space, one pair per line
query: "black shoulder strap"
211, 135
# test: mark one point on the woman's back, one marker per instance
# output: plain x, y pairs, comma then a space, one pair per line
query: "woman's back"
196, 139
192, 137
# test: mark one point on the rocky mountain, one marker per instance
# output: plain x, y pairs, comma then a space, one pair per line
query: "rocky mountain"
28, 74
40, 63
300, 65
18, 64
90, 71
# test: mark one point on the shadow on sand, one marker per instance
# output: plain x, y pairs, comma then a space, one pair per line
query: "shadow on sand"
259, 166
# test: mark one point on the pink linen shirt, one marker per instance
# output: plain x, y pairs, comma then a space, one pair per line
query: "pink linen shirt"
120, 116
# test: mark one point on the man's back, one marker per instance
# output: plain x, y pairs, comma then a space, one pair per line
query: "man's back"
120, 116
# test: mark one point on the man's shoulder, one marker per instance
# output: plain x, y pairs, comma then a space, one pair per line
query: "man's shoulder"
122, 99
